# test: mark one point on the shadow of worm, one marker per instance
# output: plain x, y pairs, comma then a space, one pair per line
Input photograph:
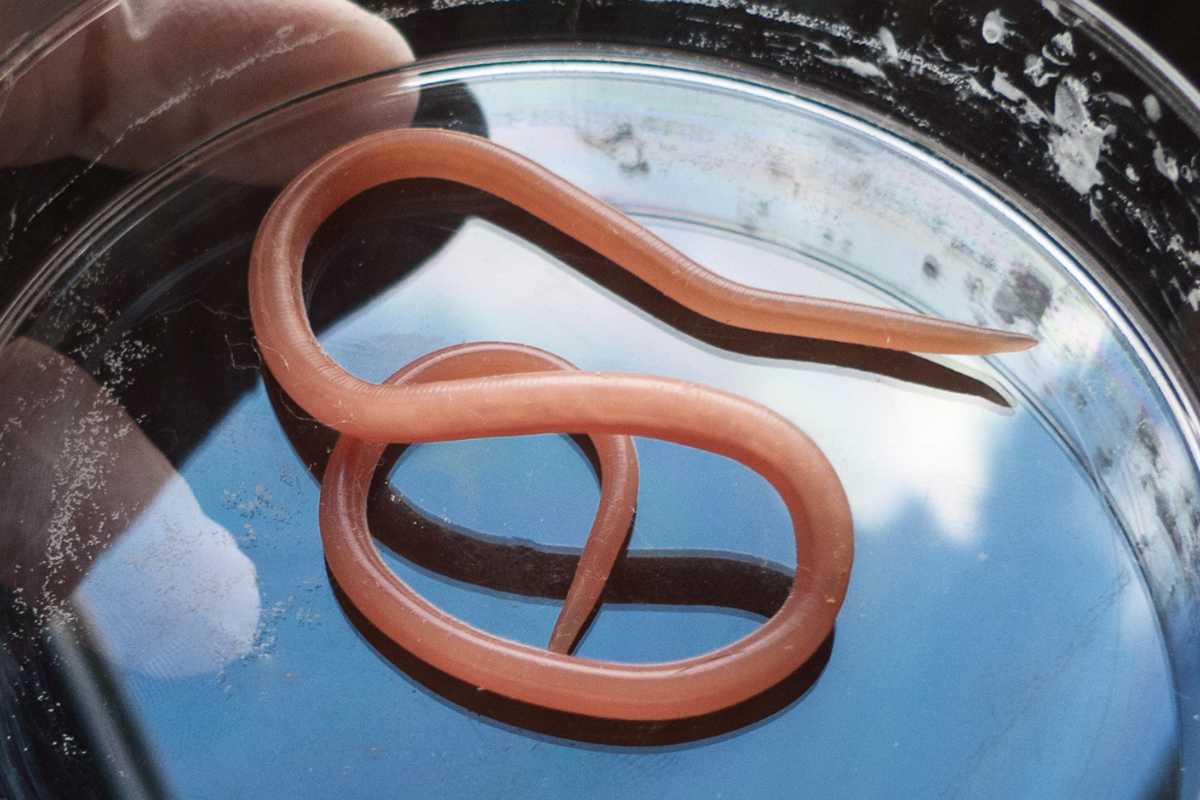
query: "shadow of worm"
521, 567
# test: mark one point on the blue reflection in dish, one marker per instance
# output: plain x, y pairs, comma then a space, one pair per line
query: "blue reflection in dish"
1029, 641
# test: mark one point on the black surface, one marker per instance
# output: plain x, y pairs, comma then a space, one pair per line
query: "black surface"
1171, 26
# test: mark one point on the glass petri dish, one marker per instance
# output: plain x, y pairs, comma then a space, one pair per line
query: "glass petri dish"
1022, 614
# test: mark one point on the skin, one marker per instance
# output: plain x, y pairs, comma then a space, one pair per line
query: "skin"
455, 406
145, 80
87, 471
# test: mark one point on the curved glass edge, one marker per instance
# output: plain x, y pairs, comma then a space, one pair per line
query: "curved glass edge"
1181, 94
1112, 295
1176, 612
1168, 570
37, 29
934, 70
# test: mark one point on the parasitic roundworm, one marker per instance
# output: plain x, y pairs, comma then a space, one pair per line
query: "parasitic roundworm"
507, 390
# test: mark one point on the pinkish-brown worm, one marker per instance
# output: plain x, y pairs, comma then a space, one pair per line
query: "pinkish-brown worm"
490, 390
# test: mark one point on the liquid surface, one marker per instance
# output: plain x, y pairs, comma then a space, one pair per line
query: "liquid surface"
997, 639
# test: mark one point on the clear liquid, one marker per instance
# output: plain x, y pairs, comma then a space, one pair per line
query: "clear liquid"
998, 639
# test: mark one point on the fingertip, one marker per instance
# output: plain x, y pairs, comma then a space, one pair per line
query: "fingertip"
177, 73
382, 45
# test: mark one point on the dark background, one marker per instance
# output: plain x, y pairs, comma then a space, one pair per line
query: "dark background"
1171, 26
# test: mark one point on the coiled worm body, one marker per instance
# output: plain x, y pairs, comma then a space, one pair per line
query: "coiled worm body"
458, 394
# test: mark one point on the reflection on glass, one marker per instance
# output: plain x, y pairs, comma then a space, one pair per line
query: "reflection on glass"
998, 638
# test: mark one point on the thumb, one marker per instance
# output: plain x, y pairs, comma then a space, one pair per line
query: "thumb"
153, 78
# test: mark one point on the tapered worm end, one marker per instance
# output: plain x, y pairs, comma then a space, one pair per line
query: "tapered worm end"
572, 619
1009, 342
963, 339
562, 639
